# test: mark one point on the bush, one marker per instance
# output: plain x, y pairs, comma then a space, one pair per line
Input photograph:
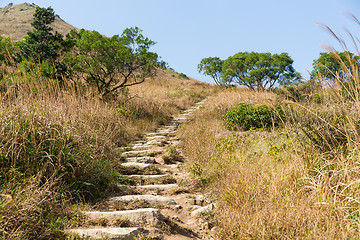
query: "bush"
183, 76
247, 116
298, 92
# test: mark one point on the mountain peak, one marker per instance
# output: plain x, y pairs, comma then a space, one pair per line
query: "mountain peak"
15, 21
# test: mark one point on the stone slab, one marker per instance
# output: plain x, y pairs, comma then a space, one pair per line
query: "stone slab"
141, 216
107, 233
136, 164
148, 198
159, 187
141, 159
148, 176
140, 153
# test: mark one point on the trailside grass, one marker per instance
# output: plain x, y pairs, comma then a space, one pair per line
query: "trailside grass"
278, 183
60, 144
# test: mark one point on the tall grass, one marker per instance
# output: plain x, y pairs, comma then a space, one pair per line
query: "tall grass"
300, 181
60, 144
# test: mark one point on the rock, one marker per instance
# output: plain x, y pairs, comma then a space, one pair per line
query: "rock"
149, 216
107, 233
140, 153
159, 187
148, 176
136, 164
139, 147
156, 143
148, 198
158, 138
224, 134
141, 159
202, 210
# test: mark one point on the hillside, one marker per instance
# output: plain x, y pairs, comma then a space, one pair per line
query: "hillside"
15, 21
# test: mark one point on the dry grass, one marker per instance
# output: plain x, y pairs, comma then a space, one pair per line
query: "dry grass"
15, 21
69, 141
272, 185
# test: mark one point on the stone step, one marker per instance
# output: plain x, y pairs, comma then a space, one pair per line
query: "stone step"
148, 176
164, 187
139, 147
147, 216
141, 159
158, 138
166, 132
140, 153
155, 142
136, 164
107, 233
148, 198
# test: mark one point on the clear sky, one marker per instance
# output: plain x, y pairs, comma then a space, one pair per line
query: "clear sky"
188, 30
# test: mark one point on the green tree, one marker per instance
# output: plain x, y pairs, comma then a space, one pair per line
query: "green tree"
113, 63
330, 65
41, 43
260, 71
212, 66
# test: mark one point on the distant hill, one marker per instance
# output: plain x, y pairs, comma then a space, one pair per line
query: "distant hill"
15, 21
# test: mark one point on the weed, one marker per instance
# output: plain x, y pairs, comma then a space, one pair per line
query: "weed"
172, 156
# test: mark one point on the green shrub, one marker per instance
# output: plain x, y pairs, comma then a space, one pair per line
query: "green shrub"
316, 98
298, 92
247, 116
183, 76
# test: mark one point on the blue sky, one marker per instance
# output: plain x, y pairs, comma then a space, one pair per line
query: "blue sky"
188, 30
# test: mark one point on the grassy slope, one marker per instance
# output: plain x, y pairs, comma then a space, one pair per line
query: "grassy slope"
15, 21
59, 146
276, 184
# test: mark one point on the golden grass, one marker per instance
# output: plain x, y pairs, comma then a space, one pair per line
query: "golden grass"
270, 185
16, 21
62, 144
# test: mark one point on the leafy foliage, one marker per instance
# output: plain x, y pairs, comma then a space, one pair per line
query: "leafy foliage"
212, 66
247, 116
330, 65
41, 43
299, 91
113, 63
260, 71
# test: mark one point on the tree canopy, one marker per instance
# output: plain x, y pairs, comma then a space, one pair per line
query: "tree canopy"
113, 63
331, 65
212, 66
41, 43
260, 71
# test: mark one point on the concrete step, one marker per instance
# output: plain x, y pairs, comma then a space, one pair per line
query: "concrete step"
107, 233
139, 147
148, 198
158, 138
141, 153
141, 159
147, 216
156, 142
136, 164
164, 187
148, 176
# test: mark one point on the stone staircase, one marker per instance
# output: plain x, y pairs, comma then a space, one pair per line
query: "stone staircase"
159, 205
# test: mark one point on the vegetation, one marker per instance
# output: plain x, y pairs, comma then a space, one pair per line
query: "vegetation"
212, 67
246, 116
295, 182
330, 64
113, 63
61, 140
255, 71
